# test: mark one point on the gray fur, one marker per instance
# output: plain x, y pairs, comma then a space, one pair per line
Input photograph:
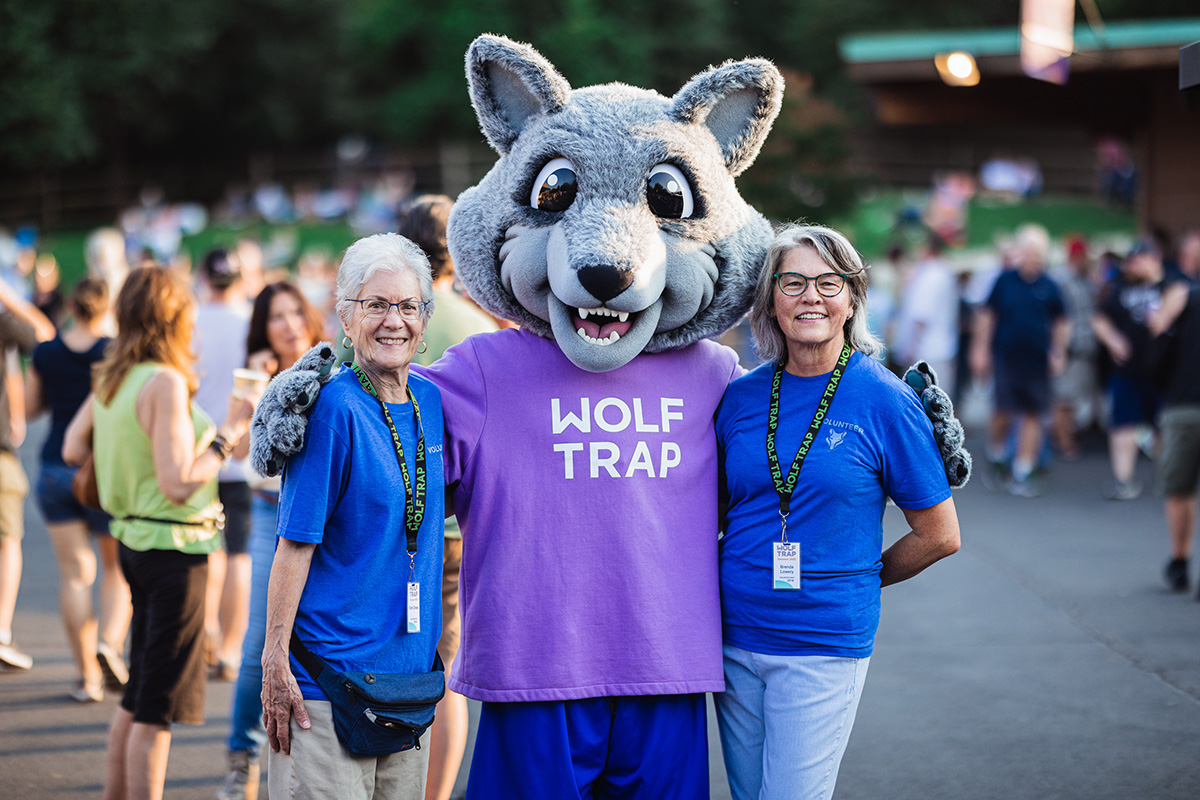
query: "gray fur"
691, 277
511, 82
947, 430
737, 101
277, 430
958, 469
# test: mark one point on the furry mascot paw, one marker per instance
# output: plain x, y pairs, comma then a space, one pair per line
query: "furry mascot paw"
277, 430
946, 428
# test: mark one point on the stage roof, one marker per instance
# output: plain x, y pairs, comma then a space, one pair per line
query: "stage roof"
875, 57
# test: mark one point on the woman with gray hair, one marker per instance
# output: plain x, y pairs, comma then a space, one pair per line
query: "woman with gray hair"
802, 558
349, 555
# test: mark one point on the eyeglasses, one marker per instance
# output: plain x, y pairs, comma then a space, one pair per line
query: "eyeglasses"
378, 308
793, 284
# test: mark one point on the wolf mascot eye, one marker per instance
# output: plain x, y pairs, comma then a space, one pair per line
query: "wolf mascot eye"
668, 193
555, 187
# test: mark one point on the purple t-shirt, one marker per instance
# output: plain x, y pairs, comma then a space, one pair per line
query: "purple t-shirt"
589, 515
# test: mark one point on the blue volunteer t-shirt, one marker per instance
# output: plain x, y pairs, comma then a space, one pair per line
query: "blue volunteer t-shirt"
875, 443
344, 491
1025, 315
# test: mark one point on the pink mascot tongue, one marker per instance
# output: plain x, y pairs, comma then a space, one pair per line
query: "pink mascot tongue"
599, 326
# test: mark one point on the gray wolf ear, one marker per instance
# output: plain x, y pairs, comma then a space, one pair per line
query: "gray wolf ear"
510, 83
738, 101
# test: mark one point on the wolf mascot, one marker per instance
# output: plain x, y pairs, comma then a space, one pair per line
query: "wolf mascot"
580, 449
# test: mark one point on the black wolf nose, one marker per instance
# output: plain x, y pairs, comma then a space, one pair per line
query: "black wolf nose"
605, 282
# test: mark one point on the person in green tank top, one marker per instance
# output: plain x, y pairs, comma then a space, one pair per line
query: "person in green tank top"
157, 456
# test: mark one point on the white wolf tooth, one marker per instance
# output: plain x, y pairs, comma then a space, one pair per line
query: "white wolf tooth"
583, 313
623, 315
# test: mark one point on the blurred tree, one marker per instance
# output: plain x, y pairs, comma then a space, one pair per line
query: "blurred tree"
86, 81
800, 172
410, 79
78, 75
273, 72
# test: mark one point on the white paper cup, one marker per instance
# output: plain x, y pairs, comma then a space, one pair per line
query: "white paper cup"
246, 381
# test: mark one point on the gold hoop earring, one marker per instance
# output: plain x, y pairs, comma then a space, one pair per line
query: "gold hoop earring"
346, 343
423, 348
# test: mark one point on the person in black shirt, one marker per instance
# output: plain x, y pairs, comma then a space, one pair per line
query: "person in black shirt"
1176, 359
1121, 326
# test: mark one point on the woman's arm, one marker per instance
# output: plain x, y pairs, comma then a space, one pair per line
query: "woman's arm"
163, 411
34, 407
934, 536
77, 441
281, 698
43, 329
14, 384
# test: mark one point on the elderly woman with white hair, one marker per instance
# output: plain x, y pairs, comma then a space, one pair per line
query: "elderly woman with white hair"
349, 551
801, 558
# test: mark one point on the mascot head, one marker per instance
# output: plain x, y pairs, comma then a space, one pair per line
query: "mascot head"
611, 222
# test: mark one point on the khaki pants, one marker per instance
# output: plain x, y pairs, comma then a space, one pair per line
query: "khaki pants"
13, 488
319, 767
451, 620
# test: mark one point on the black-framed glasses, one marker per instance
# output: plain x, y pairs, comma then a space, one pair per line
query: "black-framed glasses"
793, 284
378, 308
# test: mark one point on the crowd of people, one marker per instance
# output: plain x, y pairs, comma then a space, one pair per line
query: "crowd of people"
1063, 346
139, 370
210, 571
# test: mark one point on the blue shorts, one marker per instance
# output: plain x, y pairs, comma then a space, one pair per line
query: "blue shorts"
1133, 401
58, 503
1020, 390
601, 747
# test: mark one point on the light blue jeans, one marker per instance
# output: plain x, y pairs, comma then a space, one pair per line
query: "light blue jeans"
248, 732
785, 722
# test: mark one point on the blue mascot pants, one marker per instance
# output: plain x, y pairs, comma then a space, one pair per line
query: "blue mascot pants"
599, 748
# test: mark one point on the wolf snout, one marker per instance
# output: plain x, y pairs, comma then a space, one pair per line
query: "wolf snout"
604, 282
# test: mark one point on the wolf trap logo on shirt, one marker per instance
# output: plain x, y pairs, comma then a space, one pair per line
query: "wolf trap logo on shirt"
650, 456
838, 431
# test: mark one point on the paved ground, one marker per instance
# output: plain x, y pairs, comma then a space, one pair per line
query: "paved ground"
1045, 660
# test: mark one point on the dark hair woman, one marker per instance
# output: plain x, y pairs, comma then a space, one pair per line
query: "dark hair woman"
283, 326
64, 366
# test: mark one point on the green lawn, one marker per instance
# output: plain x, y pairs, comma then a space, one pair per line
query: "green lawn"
872, 226
67, 246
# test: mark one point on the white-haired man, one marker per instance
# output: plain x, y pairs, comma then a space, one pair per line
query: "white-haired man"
1021, 338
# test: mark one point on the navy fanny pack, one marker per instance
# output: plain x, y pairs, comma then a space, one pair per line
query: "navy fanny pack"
375, 714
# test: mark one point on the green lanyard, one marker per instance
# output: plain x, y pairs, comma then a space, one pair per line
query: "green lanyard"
785, 487
414, 512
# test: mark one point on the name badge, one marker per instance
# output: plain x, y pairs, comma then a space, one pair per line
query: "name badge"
787, 565
414, 607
